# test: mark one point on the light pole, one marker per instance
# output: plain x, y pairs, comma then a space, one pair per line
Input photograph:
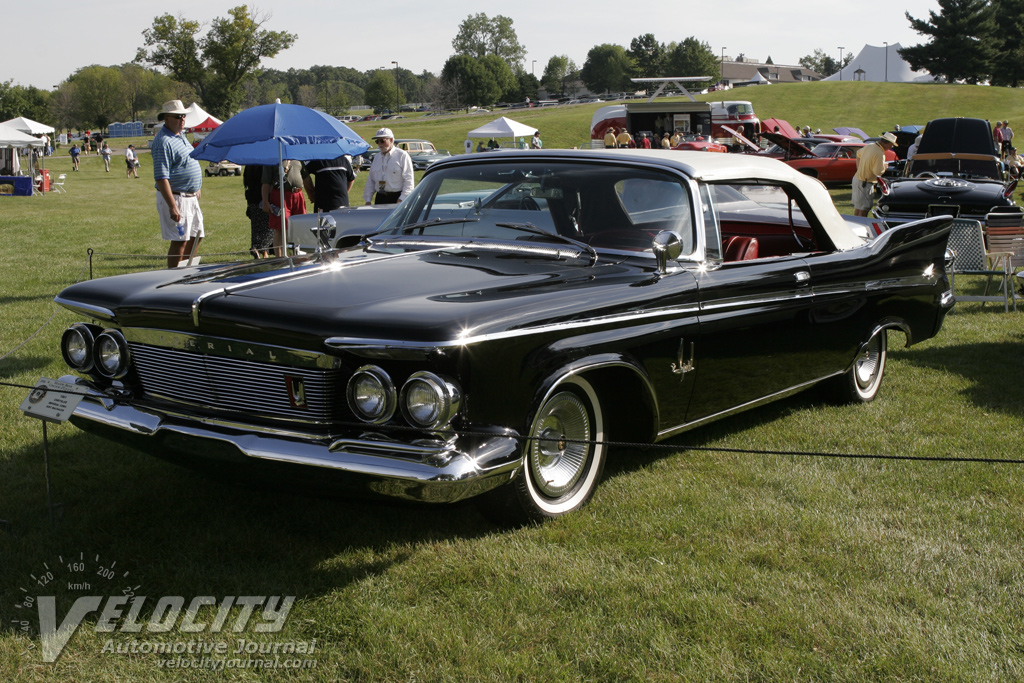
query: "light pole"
841, 62
396, 86
533, 69
722, 66
886, 61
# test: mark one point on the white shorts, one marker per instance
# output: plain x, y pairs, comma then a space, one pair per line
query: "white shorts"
863, 195
191, 217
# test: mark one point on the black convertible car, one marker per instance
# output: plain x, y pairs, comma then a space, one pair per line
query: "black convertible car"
956, 171
514, 315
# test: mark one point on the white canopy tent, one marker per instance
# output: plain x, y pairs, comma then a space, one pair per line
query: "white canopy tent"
15, 140
878, 64
503, 128
197, 115
29, 126
12, 137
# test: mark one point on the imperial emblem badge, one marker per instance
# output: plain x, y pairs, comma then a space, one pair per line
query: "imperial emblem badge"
296, 391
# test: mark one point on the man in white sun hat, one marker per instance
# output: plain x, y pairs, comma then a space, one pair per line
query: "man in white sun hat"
390, 175
179, 181
871, 163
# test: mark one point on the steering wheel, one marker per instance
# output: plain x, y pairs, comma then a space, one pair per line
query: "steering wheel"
926, 174
528, 204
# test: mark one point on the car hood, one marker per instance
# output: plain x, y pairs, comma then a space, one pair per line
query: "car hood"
793, 147
423, 295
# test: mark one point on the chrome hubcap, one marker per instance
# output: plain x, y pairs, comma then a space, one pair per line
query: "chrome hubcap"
559, 453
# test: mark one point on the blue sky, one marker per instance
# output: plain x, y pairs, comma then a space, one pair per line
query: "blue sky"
418, 34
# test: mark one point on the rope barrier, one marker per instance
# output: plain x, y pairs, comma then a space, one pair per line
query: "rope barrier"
666, 447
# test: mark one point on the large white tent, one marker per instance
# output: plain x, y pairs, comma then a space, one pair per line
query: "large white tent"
12, 137
880, 64
29, 126
503, 128
198, 118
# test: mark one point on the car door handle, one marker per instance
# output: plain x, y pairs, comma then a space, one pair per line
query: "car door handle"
802, 277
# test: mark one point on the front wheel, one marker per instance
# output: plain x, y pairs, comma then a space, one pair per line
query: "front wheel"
861, 382
563, 461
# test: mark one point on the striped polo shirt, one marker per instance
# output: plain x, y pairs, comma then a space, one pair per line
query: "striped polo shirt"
171, 161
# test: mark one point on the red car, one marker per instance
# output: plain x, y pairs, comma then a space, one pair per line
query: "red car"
699, 143
829, 162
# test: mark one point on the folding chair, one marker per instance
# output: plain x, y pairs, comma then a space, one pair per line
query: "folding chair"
1004, 238
967, 242
58, 185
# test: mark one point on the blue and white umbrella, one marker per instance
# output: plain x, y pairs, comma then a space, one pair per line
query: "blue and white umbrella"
270, 133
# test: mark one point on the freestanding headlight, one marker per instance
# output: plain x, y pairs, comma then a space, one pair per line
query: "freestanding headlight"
372, 395
430, 401
112, 356
76, 345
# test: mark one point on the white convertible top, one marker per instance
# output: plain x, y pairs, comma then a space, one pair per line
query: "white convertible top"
715, 167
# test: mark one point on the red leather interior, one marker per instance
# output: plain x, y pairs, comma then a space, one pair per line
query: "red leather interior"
738, 248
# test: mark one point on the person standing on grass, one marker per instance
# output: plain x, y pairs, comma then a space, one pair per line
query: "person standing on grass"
131, 161
391, 172
105, 152
74, 152
870, 164
179, 181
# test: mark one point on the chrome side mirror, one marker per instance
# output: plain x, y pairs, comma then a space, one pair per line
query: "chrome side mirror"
325, 230
667, 246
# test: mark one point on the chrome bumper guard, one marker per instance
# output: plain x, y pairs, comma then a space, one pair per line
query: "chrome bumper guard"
423, 470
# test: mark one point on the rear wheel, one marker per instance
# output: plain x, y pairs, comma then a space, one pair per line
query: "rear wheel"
563, 460
861, 382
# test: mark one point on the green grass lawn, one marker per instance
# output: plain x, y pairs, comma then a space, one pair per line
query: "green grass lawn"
690, 564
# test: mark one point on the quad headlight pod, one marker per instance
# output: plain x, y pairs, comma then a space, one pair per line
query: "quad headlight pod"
76, 345
112, 357
430, 401
371, 395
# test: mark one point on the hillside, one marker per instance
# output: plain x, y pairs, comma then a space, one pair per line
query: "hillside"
873, 107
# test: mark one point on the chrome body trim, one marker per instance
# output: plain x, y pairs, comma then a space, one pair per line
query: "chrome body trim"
468, 338
429, 470
230, 348
672, 431
88, 310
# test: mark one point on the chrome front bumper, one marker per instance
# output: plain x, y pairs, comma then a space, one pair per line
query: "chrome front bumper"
431, 471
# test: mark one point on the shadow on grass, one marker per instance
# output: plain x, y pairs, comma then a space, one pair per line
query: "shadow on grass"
994, 370
14, 366
181, 533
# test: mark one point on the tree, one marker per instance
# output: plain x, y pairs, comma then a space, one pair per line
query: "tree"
504, 79
472, 81
823, 63
382, 91
648, 56
480, 36
559, 73
1008, 64
101, 96
961, 47
693, 58
608, 67
19, 100
218, 64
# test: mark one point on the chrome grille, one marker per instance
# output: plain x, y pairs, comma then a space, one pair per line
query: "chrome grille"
217, 383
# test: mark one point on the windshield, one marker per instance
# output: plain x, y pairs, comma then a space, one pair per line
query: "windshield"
606, 206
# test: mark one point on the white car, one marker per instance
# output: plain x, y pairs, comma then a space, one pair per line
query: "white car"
223, 168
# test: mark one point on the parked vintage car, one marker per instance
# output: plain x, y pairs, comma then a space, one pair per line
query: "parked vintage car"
956, 171
699, 143
833, 163
421, 152
223, 168
518, 312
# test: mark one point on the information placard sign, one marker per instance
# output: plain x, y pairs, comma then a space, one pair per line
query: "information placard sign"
50, 400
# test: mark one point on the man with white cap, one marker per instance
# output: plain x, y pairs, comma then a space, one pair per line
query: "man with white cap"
179, 180
870, 164
390, 173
